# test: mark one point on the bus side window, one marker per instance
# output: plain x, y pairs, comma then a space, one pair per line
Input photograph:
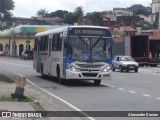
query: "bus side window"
46, 43
41, 43
35, 44
53, 43
59, 42
49, 47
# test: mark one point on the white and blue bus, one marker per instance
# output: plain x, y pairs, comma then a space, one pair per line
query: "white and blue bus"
74, 52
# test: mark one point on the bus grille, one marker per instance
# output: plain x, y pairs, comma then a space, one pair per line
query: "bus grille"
90, 65
90, 74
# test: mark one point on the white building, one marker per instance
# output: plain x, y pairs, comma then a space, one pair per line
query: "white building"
122, 12
146, 18
155, 9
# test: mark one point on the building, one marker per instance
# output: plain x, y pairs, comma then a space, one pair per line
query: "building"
128, 20
117, 12
16, 21
50, 21
14, 40
146, 18
155, 9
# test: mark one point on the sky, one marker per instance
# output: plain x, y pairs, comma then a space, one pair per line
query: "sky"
29, 8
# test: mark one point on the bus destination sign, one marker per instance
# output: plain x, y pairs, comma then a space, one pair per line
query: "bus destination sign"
89, 32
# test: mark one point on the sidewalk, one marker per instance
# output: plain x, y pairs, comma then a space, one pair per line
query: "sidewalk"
42, 101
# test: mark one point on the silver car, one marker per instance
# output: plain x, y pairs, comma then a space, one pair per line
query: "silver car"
124, 63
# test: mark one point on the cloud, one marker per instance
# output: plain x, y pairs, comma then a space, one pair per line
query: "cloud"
28, 8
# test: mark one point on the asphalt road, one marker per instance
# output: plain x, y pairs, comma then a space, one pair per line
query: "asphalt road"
125, 92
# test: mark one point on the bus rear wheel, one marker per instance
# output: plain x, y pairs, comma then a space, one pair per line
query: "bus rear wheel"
97, 82
42, 74
60, 80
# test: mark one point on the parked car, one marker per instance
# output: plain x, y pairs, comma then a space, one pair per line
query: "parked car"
26, 54
2, 53
124, 63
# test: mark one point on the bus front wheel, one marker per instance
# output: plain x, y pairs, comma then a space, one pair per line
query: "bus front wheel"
97, 82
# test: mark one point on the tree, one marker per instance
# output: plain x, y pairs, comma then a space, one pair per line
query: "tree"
59, 13
96, 17
5, 7
69, 18
140, 9
42, 12
79, 13
145, 25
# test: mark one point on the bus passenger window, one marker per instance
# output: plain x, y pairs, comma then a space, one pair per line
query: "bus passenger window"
35, 44
53, 42
59, 42
41, 44
46, 43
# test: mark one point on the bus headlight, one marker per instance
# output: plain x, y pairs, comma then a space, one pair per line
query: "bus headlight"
72, 68
106, 69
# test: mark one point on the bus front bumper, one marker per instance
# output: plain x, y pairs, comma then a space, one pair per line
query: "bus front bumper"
88, 75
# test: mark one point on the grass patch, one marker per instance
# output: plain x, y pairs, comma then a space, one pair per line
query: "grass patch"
28, 99
6, 99
4, 78
10, 99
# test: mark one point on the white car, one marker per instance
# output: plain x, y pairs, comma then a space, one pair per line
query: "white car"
124, 63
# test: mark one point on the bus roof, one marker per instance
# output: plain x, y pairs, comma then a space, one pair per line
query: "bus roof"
60, 29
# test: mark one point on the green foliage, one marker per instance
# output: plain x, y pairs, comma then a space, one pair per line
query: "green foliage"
10, 99
145, 25
6, 99
69, 18
42, 12
4, 78
79, 13
140, 9
97, 17
58, 13
6, 6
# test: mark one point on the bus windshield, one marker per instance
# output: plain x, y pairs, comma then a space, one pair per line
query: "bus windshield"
89, 48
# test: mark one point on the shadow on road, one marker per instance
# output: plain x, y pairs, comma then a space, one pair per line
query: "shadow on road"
73, 83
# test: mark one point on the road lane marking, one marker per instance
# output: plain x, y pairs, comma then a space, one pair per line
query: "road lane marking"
146, 95
108, 85
121, 89
148, 82
58, 98
121, 77
132, 91
17, 64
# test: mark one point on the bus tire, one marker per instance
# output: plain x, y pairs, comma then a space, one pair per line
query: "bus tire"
97, 82
60, 80
41, 71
